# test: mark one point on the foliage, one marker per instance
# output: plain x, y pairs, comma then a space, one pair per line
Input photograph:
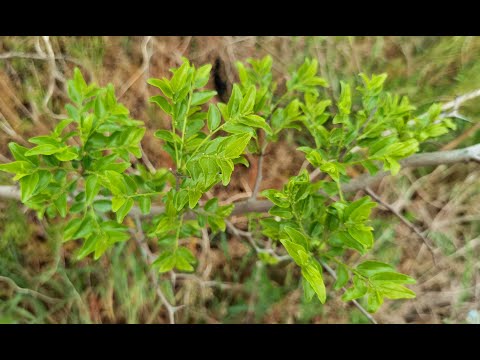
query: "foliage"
83, 169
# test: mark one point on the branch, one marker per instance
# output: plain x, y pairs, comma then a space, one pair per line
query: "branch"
149, 258
355, 302
471, 153
460, 100
405, 221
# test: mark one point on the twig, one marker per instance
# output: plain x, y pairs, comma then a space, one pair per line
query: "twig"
34, 293
455, 104
247, 235
210, 283
142, 70
149, 258
52, 69
250, 316
146, 160
259, 178
404, 220
355, 302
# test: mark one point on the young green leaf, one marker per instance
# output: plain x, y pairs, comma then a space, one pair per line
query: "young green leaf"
213, 117
92, 187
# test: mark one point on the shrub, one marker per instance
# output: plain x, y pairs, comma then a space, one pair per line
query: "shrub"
83, 172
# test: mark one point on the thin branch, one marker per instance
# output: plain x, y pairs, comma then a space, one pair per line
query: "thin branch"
259, 177
149, 258
39, 56
146, 53
355, 302
403, 219
455, 104
31, 292
471, 153
248, 235
52, 69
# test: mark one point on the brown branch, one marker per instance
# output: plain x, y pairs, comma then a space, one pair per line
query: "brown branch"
355, 302
471, 153
403, 219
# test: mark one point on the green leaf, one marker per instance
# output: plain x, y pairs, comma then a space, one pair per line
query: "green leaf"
163, 85
362, 234
358, 290
70, 229
200, 98
117, 202
92, 187
179, 78
85, 229
308, 291
46, 149
246, 106
342, 277
101, 246
28, 185
165, 262
88, 246
277, 197
235, 145
162, 103
392, 277
374, 300
255, 121
281, 212
312, 273
359, 210
234, 102
102, 206
145, 204
167, 136
67, 154
370, 268
345, 100
202, 75
297, 237
61, 126
213, 117
297, 252
61, 204
124, 210
20, 168
18, 153
227, 169
184, 259
44, 178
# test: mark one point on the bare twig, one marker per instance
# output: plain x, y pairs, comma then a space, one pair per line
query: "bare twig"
210, 283
146, 160
404, 220
455, 104
355, 302
259, 177
147, 54
471, 153
149, 258
247, 235
52, 69
31, 292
